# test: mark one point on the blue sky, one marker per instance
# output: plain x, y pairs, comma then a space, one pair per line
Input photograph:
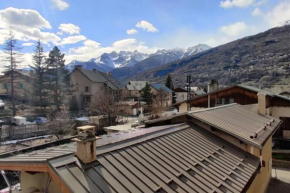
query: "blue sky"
86, 29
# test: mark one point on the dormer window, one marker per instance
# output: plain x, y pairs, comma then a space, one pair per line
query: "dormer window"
86, 89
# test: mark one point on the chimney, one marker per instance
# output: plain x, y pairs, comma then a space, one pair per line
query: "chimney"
262, 103
86, 144
214, 85
94, 70
78, 66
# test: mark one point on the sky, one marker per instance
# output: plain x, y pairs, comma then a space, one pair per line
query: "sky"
84, 29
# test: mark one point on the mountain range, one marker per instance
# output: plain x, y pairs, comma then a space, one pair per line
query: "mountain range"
124, 64
261, 60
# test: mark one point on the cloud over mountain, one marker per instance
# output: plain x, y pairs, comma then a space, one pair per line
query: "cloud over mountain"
145, 25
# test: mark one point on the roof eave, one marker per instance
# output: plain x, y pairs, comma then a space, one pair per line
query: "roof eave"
229, 133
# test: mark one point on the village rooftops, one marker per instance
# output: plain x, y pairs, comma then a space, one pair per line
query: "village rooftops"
234, 120
250, 88
100, 77
136, 85
161, 87
170, 158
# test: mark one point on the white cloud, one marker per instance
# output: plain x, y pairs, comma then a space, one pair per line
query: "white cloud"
60, 4
124, 43
131, 31
28, 44
25, 18
26, 24
71, 40
279, 14
145, 25
257, 12
92, 49
261, 2
69, 28
235, 29
236, 3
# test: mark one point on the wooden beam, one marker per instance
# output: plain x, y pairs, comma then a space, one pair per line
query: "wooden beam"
24, 167
36, 168
58, 181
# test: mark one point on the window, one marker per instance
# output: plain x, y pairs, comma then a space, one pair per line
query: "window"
227, 101
219, 101
87, 99
86, 89
232, 100
21, 86
4, 85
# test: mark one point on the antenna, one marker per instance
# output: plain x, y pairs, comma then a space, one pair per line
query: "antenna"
188, 92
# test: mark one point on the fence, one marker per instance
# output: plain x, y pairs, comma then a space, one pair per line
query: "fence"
24, 131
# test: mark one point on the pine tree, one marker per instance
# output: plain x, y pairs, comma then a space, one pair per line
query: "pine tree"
169, 84
11, 50
146, 94
40, 76
59, 80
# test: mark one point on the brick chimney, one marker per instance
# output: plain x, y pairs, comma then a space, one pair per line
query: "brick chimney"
262, 103
86, 144
78, 66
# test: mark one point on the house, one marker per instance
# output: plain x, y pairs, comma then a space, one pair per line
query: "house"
88, 84
277, 106
22, 84
195, 153
162, 95
130, 108
181, 94
133, 89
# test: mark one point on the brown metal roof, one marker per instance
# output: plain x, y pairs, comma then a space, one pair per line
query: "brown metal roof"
70, 148
175, 158
238, 122
187, 159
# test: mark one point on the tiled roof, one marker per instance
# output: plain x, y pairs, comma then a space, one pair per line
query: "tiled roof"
161, 87
136, 85
176, 158
238, 122
97, 76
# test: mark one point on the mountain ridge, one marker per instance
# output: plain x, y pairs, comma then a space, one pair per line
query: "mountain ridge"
260, 60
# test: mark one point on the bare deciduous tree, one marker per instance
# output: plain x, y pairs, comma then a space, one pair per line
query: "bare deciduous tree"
159, 101
107, 104
60, 124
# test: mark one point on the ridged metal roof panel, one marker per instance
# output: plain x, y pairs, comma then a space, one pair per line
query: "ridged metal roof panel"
186, 160
238, 122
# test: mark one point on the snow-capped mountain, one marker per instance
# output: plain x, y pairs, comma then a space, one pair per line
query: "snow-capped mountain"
109, 61
195, 49
161, 57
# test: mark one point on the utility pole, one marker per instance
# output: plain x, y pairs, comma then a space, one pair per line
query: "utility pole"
188, 92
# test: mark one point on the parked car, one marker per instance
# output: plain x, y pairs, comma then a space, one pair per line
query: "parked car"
2, 104
17, 120
40, 120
